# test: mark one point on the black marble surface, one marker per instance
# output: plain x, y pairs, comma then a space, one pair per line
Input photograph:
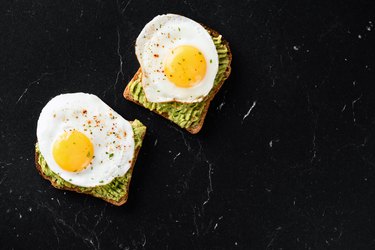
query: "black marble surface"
286, 157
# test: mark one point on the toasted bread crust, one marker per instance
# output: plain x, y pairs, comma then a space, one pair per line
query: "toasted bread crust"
116, 203
193, 129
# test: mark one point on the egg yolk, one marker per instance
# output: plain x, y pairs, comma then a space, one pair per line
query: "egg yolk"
73, 151
185, 66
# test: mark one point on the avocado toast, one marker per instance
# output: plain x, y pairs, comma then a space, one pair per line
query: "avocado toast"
189, 116
116, 192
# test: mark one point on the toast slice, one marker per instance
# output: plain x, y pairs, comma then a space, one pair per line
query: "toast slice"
189, 116
115, 192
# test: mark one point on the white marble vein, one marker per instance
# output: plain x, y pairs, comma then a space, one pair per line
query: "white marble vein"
353, 110
209, 188
122, 10
249, 111
177, 155
29, 85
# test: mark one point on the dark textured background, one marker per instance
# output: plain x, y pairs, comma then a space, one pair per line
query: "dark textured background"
286, 157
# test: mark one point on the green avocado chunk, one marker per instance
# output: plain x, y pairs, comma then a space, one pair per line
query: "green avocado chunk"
184, 115
114, 190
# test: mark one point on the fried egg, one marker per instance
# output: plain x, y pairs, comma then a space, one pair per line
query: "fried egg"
178, 58
83, 140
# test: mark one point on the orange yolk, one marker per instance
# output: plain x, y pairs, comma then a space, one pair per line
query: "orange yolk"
73, 151
185, 66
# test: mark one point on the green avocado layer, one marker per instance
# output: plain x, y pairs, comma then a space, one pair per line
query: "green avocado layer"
114, 190
184, 115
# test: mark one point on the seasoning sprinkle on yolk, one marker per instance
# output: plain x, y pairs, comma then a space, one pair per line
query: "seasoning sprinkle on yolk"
185, 66
73, 151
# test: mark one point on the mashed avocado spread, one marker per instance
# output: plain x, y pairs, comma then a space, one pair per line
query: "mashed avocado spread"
114, 190
183, 114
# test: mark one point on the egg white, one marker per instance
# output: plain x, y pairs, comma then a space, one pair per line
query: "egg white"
161, 35
113, 152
